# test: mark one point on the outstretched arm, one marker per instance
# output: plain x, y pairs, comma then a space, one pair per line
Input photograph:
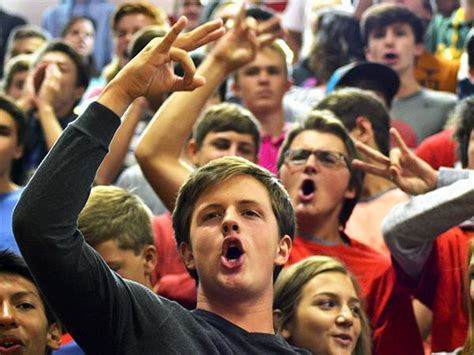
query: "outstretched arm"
158, 152
410, 228
67, 270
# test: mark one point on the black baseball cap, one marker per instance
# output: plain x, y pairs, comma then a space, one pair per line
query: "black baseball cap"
381, 77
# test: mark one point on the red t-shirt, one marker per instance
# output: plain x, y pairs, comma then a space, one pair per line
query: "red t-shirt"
441, 287
439, 149
388, 305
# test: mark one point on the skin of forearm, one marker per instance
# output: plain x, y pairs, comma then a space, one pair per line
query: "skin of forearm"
49, 124
183, 108
113, 161
158, 151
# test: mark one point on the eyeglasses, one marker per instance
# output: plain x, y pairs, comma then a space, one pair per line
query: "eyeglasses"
327, 158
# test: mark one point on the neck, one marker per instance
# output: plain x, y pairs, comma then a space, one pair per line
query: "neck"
322, 228
254, 315
63, 110
272, 122
6, 185
408, 85
374, 185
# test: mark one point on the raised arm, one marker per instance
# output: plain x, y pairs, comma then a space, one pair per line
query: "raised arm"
158, 152
410, 228
67, 270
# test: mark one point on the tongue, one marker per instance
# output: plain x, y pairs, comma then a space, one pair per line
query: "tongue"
232, 264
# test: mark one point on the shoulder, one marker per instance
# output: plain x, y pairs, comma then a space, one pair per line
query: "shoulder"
439, 96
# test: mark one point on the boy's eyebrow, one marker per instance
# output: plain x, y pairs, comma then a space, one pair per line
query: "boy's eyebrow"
21, 294
219, 205
5, 128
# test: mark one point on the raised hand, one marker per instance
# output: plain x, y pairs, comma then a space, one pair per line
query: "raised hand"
200, 36
240, 44
150, 73
47, 84
409, 172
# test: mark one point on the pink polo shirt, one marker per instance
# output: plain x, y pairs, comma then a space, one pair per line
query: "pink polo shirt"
270, 147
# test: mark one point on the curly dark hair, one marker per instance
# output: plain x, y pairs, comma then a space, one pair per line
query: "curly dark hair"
337, 42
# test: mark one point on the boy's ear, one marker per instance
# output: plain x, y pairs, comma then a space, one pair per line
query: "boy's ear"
192, 151
187, 256
150, 258
18, 152
236, 88
285, 331
283, 251
419, 49
363, 130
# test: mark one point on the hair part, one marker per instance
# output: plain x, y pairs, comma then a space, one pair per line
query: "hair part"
12, 264
350, 103
216, 172
82, 79
337, 42
280, 47
10, 107
139, 7
227, 117
73, 20
13, 66
380, 16
289, 286
113, 213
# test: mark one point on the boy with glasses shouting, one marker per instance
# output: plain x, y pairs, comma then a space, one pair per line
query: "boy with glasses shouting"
315, 167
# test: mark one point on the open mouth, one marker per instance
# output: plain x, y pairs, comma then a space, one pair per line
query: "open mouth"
9, 344
232, 253
390, 57
308, 187
306, 192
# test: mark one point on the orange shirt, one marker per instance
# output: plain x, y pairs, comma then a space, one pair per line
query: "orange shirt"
437, 73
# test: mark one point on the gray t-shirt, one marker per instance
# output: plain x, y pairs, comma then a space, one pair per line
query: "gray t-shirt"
426, 111
133, 180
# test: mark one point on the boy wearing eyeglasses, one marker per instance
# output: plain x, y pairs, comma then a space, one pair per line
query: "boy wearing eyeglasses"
314, 166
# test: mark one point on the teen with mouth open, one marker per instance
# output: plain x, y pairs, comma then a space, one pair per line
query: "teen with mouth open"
314, 166
27, 324
233, 222
317, 307
393, 35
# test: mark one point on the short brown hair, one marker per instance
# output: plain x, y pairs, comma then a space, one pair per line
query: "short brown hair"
289, 286
139, 7
380, 16
325, 121
112, 213
350, 103
280, 47
217, 171
227, 117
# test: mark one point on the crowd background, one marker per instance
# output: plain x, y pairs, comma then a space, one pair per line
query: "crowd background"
294, 97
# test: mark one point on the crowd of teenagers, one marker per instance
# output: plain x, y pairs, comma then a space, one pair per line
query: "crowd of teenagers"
238, 177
